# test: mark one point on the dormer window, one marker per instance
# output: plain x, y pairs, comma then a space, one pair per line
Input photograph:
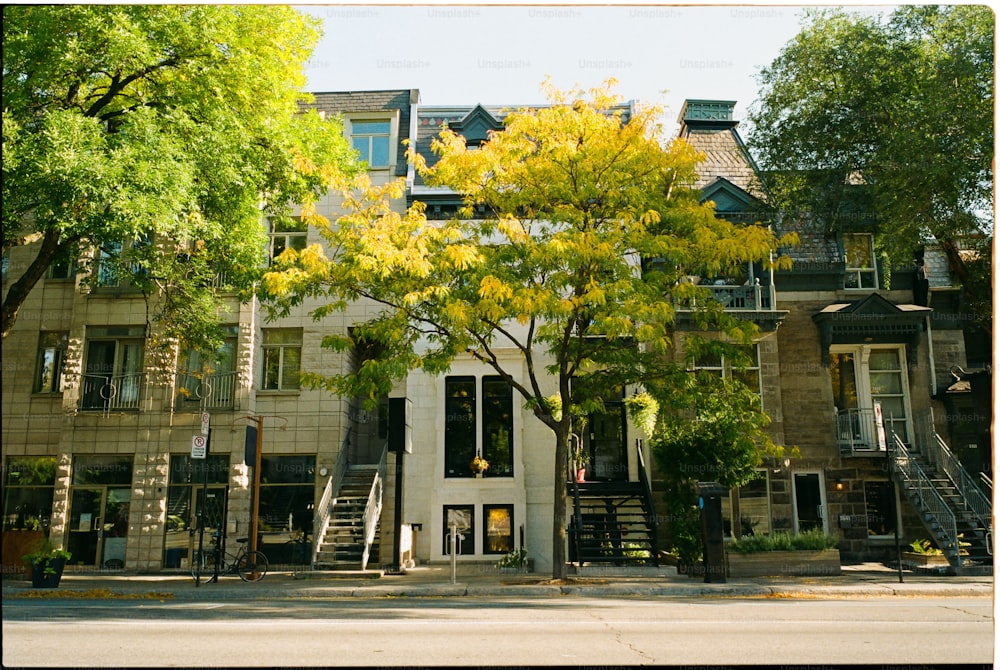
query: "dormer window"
372, 140
859, 256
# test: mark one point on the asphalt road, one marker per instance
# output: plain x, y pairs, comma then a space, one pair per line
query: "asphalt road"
490, 632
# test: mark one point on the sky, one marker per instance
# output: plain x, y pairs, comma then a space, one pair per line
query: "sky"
500, 55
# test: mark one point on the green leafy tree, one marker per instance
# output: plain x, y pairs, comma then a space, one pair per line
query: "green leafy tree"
886, 120
577, 265
161, 130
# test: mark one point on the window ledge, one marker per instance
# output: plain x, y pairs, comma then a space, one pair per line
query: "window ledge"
289, 392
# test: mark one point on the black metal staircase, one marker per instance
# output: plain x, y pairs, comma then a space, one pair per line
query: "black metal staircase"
614, 523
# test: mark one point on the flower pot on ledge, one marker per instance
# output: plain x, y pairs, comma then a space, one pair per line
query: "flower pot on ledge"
47, 574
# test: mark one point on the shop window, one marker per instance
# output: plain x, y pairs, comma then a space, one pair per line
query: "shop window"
464, 515
498, 529
287, 498
29, 485
187, 500
51, 358
755, 506
282, 358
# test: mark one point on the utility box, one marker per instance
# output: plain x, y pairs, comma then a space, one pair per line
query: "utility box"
710, 496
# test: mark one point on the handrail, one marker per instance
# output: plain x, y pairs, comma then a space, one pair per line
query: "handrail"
322, 518
647, 489
988, 483
945, 461
928, 500
373, 508
577, 526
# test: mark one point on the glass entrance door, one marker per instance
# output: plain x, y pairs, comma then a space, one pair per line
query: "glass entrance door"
861, 377
99, 526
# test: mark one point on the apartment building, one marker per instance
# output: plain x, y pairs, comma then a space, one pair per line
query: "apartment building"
97, 428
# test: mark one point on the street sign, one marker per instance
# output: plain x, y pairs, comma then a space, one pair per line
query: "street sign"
199, 447
204, 423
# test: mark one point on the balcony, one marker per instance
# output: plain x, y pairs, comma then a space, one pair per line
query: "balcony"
199, 391
857, 434
745, 298
112, 392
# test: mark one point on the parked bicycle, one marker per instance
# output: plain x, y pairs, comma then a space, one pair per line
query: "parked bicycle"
251, 566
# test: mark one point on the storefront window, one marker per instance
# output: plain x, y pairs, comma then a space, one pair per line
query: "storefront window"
287, 493
29, 483
499, 529
186, 500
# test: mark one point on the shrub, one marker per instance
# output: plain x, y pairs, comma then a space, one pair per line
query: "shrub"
812, 540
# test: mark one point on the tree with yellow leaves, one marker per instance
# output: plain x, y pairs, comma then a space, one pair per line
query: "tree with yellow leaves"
578, 264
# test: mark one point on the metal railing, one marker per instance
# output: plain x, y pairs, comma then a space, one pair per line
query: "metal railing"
945, 462
322, 518
654, 525
373, 508
197, 391
856, 432
112, 392
926, 497
746, 298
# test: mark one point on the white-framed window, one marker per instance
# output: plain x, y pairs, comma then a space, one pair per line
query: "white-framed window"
282, 359
51, 358
116, 263
289, 234
373, 136
859, 256
862, 375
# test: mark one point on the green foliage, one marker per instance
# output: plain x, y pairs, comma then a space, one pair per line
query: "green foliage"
514, 559
924, 546
811, 540
576, 198
45, 555
168, 125
888, 121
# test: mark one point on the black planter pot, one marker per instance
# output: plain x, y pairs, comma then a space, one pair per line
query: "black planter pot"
40, 580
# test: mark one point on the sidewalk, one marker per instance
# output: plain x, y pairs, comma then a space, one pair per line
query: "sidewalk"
865, 580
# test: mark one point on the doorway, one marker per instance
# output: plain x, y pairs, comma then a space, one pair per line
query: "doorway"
604, 441
810, 508
100, 501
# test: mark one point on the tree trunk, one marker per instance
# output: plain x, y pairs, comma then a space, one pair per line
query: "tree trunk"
559, 503
20, 289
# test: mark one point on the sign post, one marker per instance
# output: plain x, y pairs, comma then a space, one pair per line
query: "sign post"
199, 452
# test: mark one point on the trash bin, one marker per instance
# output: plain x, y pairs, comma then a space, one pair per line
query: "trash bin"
714, 551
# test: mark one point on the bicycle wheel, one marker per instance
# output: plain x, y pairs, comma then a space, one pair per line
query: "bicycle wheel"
200, 559
252, 566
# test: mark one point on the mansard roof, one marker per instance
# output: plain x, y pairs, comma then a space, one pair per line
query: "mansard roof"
361, 102
709, 127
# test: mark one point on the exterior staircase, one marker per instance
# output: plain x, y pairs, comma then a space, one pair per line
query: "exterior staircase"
951, 505
343, 543
614, 523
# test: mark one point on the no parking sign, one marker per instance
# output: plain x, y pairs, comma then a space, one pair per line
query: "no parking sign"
199, 447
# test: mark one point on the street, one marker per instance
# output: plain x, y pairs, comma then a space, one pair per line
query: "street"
510, 631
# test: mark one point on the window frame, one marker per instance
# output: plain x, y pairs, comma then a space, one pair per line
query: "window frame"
392, 118
466, 545
58, 350
123, 337
512, 543
859, 271
297, 230
893, 494
281, 347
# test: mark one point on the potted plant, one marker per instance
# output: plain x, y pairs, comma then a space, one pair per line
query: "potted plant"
479, 465
923, 554
47, 564
580, 460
